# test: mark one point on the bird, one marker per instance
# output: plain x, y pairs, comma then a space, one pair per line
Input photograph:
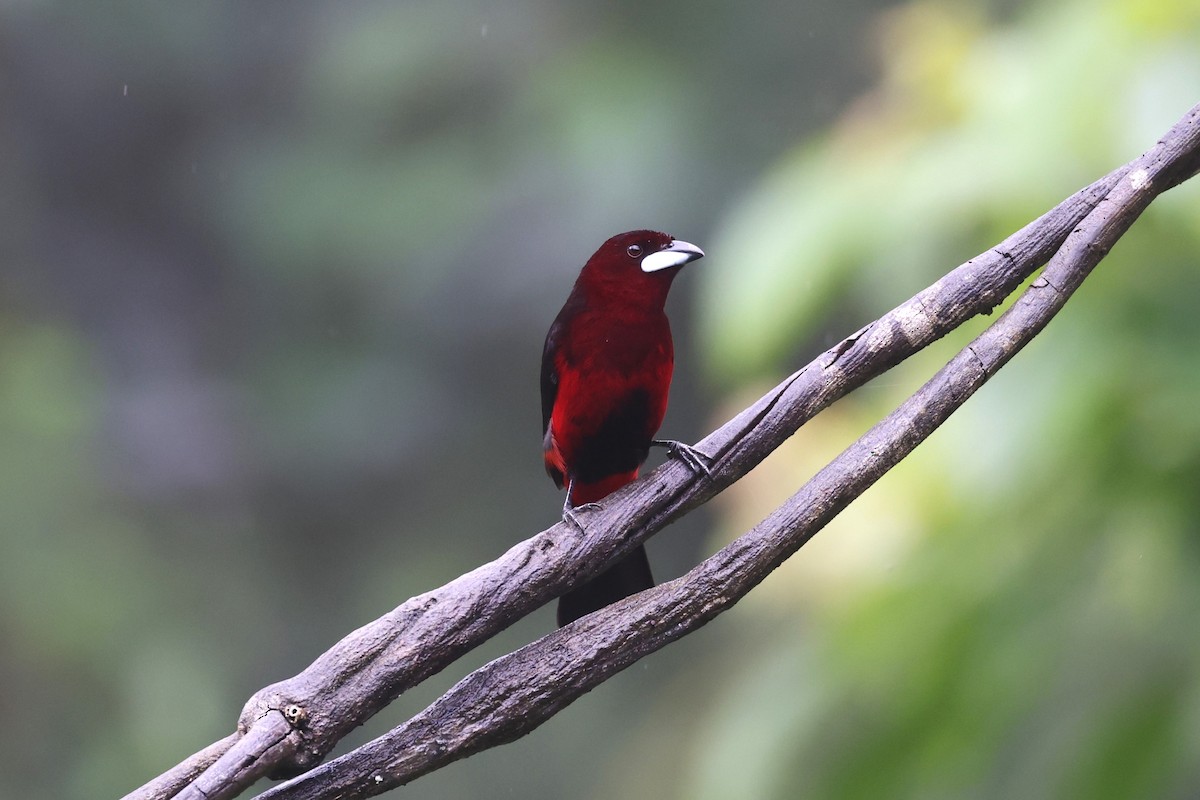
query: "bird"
605, 377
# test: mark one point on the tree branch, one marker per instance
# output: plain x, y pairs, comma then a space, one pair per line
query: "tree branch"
507, 698
171, 782
514, 694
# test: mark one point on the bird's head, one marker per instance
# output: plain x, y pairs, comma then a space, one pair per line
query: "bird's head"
638, 262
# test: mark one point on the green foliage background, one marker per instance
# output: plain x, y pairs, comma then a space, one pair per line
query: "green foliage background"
274, 284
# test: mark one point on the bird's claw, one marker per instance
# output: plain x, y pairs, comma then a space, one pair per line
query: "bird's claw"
571, 517
697, 460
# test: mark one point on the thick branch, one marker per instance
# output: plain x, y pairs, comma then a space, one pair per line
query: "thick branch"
373, 665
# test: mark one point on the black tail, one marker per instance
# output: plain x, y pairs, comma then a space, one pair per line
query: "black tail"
628, 576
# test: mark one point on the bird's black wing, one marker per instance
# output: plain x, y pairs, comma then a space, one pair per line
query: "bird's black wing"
549, 373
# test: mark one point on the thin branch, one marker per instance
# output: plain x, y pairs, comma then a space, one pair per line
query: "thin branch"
171, 782
262, 747
372, 666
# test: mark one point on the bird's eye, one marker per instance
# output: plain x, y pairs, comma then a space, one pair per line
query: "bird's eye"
634, 250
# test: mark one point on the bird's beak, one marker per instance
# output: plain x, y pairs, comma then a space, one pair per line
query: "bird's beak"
676, 255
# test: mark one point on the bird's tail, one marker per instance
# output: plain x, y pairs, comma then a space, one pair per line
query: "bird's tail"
628, 576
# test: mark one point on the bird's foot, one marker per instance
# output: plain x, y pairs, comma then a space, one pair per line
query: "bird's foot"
570, 515
697, 460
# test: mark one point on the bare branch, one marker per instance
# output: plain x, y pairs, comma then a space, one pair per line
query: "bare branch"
372, 666
174, 780
260, 750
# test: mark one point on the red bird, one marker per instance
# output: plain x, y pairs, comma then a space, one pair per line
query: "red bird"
606, 372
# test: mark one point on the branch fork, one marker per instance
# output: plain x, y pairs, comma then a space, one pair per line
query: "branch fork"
287, 728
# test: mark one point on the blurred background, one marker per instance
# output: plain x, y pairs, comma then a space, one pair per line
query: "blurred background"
274, 284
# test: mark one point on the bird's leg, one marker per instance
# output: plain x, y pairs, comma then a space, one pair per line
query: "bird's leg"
569, 510
696, 460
